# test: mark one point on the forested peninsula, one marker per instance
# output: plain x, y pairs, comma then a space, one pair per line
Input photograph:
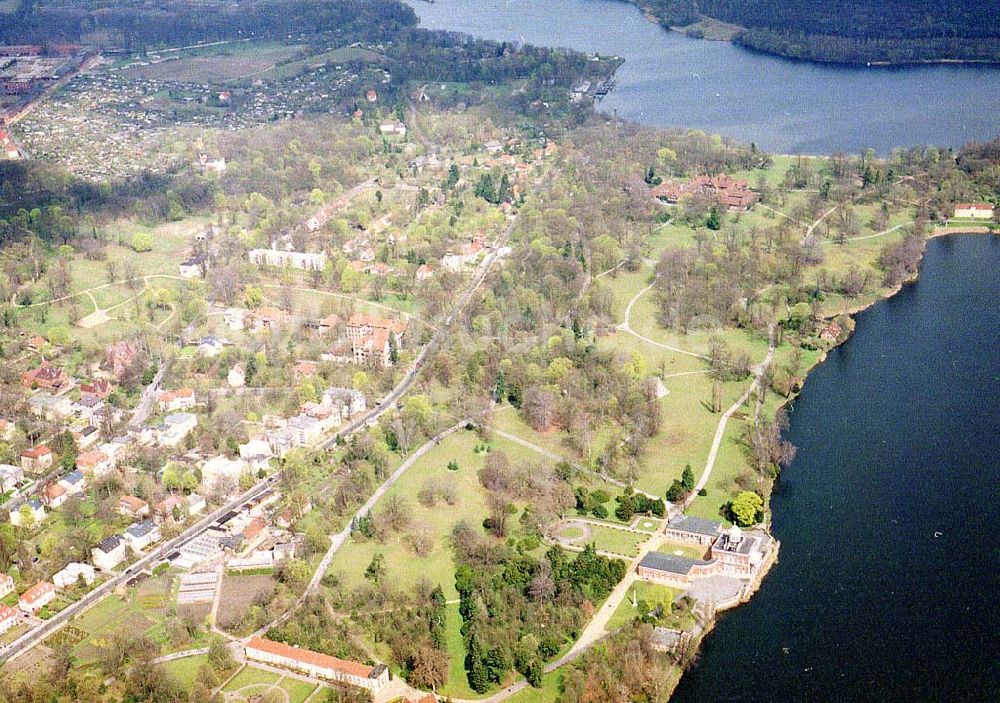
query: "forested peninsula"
843, 31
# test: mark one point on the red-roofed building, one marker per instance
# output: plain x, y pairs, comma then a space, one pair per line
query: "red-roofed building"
120, 357
8, 618
36, 459
100, 388
180, 399
372, 338
6, 585
976, 211
95, 462
49, 377
133, 506
36, 597
54, 495
320, 666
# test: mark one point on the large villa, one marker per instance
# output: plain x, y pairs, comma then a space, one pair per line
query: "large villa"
734, 554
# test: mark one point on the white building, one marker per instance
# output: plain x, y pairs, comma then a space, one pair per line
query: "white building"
321, 666
33, 507
140, 535
293, 259
36, 597
350, 402
10, 476
109, 553
71, 573
6, 585
257, 453
175, 428
975, 211
8, 618
221, 472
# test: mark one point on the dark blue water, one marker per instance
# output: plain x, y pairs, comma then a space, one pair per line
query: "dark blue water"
785, 106
887, 586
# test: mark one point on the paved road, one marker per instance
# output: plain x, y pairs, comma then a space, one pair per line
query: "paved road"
36, 635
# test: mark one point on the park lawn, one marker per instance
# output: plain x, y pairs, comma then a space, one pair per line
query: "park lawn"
319, 303
624, 286
609, 539
403, 567
183, 671
652, 593
297, 690
730, 464
643, 321
688, 428
251, 676
457, 685
548, 692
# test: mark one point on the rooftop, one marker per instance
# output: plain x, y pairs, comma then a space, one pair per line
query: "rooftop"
307, 656
698, 525
671, 563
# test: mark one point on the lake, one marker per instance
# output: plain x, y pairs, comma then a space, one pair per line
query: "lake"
784, 106
887, 584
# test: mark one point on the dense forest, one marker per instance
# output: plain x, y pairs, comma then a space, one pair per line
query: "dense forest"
139, 24
851, 31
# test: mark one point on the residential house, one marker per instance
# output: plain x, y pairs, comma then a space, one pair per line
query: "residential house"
109, 553
73, 482
175, 427
328, 325
424, 272
36, 459
266, 318
33, 508
72, 573
257, 453
140, 535
10, 477
86, 437
88, 407
209, 346
169, 508
121, 357
95, 463
36, 597
7, 430
47, 377
221, 473
51, 407
305, 368
195, 504
101, 388
180, 399
134, 507
349, 401
54, 495
8, 618
321, 666
6, 585
254, 533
